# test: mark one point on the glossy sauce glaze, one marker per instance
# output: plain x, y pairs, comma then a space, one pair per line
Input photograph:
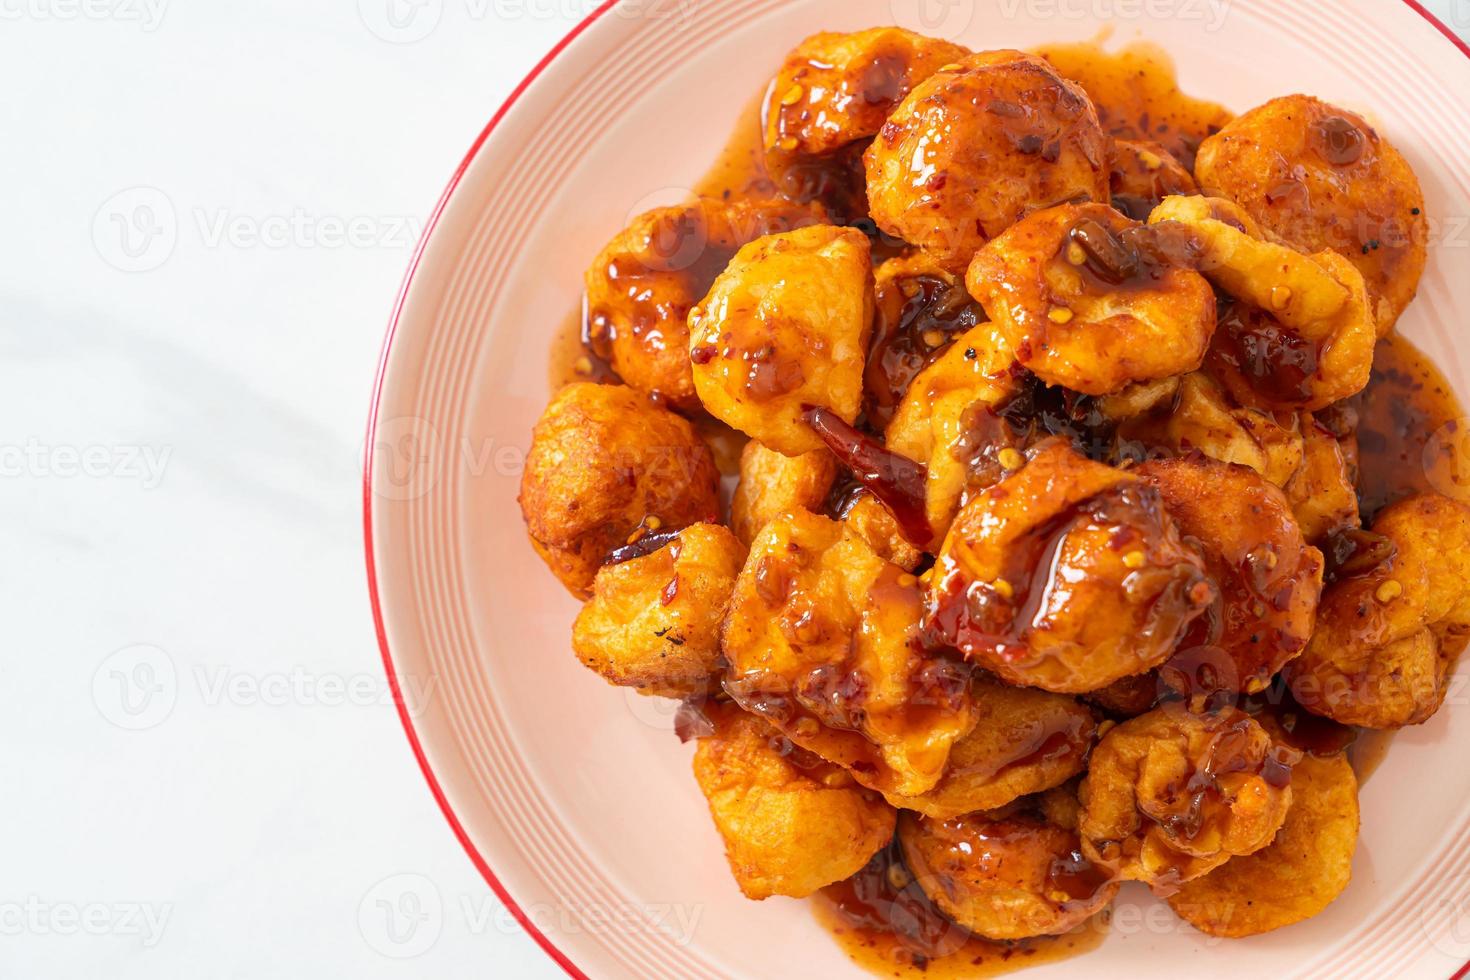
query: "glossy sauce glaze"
1137, 96
1410, 430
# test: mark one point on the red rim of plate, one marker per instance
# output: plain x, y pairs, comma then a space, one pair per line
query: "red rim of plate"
541, 938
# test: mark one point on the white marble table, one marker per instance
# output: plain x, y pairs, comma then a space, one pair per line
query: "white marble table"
208, 208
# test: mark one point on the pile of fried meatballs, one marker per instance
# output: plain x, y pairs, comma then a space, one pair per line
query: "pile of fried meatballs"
1045, 563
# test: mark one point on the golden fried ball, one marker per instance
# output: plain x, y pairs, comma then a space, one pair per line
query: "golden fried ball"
786, 327
791, 822
642, 286
1319, 177
654, 620
772, 484
946, 422
1173, 794
1304, 869
1024, 741
1387, 637
979, 145
1300, 331
1143, 174
836, 89
1269, 579
604, 462
1094, 301
1067, 576
820, 638
1004, 875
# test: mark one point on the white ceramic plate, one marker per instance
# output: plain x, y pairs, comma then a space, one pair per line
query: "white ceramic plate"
578, 796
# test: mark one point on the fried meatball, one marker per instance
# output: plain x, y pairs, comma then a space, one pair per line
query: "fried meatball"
1004, 875
820, 639
1387, 637
1143, 174
872, 522
791, 822
1173, 794
1309, 863
837, 89
1024, 741
1319, 177
772, 484
946, 422
979, 145
654, 620
920, 309
1067, 576
1299, 331
604, 462
1094, 301
785, 327
1269, 579
642, 286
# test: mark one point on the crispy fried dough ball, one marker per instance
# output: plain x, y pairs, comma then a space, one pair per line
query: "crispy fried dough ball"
920, 309
979, 145
786, 326
873, 522
654, 620
1322, 492
1319, 177
836, 89
604, 462
820, 641
642, 286
1387, 637
1307, 866
1172, 794
1269, 579
945, 420
1024, 741
1143, 174
791, 822
1300, 332
772, 484
1094, 301
1004, 875
1066, 576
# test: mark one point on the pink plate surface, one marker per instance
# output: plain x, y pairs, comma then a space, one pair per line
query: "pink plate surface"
579, 796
